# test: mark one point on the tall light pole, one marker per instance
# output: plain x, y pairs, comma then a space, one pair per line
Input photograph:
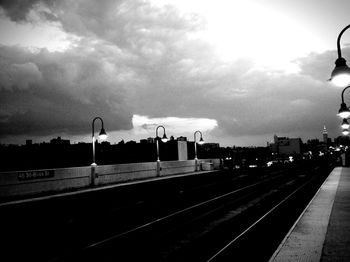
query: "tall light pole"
164, 140
102, 135
341, 74
201, 141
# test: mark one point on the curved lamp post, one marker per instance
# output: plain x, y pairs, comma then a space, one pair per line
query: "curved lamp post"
344, 111
164, 139
201, 141
102, 136
341, 73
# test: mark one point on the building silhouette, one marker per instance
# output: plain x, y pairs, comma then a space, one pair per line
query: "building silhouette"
286, 146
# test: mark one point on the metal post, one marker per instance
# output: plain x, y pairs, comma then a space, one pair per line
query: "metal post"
93, 151
157, 142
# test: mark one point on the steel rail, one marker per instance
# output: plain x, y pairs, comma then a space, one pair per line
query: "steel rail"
265, 215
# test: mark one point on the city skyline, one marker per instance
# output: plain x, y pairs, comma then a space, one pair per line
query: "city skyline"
239, 71
151, 139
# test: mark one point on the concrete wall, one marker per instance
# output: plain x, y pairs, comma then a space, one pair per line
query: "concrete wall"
168, 168
57, 180
109, 174
36, 181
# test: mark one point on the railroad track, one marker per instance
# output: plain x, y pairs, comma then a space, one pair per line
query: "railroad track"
215, 229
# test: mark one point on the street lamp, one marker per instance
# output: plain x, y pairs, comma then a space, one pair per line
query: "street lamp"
345, 124
341, 73
344, 111
164, 140
201, 141
102, 135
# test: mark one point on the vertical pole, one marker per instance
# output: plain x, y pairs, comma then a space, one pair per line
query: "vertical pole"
93, 165
157, 142
93, 151
195, 155
158, 160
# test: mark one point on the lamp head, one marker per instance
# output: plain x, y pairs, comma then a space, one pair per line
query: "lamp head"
103, 134
345, 132
345, 124
344, 111
164, 138
201, 141
341, 73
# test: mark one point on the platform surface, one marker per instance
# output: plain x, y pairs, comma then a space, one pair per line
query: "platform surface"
322, 232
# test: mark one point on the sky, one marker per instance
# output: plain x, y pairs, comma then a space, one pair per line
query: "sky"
239, 71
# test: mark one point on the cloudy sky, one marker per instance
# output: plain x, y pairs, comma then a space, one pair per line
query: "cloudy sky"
240, 71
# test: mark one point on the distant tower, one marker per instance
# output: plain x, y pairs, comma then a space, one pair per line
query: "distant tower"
325, 135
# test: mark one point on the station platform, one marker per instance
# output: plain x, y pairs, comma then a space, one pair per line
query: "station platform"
322, 231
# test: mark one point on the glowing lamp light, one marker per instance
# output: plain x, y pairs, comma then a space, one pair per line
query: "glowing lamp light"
345, 124
341, 73
103, 134
201, 141
164, 138
345, 132
344, 114
344, 111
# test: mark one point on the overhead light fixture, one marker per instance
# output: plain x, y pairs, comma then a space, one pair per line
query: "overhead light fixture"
340, 75
345, 124
345, 132
344, 111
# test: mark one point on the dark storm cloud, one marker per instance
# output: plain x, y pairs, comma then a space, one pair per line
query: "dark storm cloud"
60, 114
17, 10
70, 91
